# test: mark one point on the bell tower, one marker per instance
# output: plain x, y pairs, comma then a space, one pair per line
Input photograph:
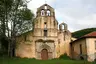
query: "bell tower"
45, 23
45, 32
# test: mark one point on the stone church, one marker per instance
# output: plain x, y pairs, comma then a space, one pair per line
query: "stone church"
47, 40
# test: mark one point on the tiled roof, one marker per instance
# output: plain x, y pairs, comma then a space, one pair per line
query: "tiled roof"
92, 34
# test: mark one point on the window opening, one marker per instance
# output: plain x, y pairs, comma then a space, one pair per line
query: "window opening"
45, 25
45, 32
48, 13
42, 12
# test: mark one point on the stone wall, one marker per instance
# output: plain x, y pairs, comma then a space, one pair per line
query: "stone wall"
75, 49
91, 51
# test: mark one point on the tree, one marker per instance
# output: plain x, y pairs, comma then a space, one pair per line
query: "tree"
14, 19
5, 6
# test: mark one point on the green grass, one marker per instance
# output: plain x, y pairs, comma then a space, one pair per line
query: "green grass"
34, 61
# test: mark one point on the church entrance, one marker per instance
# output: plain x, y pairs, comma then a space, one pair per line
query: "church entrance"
44, 54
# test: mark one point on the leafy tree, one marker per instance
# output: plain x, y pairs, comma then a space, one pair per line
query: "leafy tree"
4, 10
14, 19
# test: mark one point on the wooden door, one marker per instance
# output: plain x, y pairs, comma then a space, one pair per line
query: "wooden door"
44, 54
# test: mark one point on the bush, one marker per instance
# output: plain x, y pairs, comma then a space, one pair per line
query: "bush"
3, 52
64, 56
95, 59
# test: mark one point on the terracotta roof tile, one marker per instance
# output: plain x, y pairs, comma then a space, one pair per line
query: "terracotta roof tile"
92, 34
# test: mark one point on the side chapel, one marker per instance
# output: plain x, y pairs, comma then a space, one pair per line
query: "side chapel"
46, 40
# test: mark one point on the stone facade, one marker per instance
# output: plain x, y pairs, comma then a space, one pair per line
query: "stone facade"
91, 48
78, 49
84, 47
46, 41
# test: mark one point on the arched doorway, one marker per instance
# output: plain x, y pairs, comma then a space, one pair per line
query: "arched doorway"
44, 54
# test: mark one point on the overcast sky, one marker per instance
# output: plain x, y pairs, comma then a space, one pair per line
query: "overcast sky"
78, 14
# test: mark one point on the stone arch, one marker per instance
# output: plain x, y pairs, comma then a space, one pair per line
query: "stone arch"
44, 54
42, 12
48, 12
48, 51
45, 46
64, 26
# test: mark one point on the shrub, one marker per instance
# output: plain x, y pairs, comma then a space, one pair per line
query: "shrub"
64, 56
95, 59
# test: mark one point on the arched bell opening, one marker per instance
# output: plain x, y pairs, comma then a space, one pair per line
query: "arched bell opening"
48, 13
42, 12
63, 27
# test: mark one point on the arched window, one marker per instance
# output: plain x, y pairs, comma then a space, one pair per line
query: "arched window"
48, 13
42, 12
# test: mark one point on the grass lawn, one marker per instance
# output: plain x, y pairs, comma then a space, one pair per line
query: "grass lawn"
34, 61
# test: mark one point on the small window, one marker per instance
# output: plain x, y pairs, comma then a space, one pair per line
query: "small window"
73, 48
45, 25
44, 22
45, 7
80, 48
45, 32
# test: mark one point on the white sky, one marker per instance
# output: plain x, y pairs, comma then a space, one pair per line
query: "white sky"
78, 14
